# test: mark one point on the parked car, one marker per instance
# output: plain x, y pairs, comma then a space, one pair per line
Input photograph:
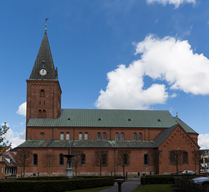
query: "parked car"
201, 181
188, 172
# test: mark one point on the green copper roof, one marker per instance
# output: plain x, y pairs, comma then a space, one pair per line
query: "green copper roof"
44, 60
184, 125
106, 118
87, 144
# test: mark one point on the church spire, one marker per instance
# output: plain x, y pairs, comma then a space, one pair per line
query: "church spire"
44, 66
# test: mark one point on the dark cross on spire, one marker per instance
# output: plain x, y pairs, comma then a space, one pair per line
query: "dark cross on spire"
46, 24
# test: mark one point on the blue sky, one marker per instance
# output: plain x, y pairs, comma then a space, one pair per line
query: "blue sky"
147, 54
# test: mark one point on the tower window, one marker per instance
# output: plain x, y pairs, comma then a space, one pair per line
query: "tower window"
86, 136
42, 94
134, 136
67, 136
104, 136
116, 136
80, 136
44, 114
140, 136
98, 136
35, 159
61, 136
39, 114
122, 136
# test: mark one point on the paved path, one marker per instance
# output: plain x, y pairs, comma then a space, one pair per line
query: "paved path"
125, 187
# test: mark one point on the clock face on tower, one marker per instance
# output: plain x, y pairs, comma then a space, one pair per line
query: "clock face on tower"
43, 72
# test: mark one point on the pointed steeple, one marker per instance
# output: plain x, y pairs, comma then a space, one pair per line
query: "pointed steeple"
44, 61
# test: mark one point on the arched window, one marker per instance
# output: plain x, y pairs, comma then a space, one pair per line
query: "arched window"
134, 136
61, 159
146, 159
98, 136
172, 157
42, 93
85, 136
39, 114
104, 159
67, 136
44, 114
185, 157
83, 159
80, 136
61, 136
104, 136
140, 136
116, 136
125, 159
35, 159
122, 136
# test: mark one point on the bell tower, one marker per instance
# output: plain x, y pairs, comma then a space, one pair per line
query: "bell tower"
43, 88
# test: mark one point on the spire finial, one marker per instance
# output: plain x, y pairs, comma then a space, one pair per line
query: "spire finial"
176, 114
46, 24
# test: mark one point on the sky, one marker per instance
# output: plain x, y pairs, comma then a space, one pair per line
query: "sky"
121, 54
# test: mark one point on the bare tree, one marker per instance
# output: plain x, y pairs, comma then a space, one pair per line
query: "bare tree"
23, 159
76, 160
48, 160
101, 158
197, 158
176, 158
154, 158
124, 159
93, 163
4, 145
116, 164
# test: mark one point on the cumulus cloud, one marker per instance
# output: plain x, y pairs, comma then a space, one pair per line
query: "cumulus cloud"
170, 60
175, 2
203, 141
22, 109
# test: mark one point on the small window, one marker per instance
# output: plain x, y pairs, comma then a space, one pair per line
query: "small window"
98, 136
44, 114
67, 136
1, 169
61, 159
86, 136
35, 159
140, 136
39, 114
134, 136
104, 136
104, 159
83, 159
185, 158
42, 93
122, 136
116, 136
61, 136
80, 136
172, 157
42, 134
146, 159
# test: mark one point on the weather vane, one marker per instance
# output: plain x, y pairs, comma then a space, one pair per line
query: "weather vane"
46, 24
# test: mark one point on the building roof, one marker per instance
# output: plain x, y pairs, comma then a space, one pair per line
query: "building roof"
44, 60
87, 144
184, 125
106, 118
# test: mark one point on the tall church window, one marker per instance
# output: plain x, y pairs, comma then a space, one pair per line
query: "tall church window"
116, 136
35, 159
61, 136
44, 114
98, 136
125, 159
85, 136
140, 136
67, 136
39, 114
80, 136
104, 159
42, 94
122, 136
172, 157
185, 157
146, 159
61, 159
134, 136
83, 159
104, 136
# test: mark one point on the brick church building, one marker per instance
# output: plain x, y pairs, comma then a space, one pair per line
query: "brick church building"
136, 133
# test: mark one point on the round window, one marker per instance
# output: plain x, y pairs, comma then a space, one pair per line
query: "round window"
42, 134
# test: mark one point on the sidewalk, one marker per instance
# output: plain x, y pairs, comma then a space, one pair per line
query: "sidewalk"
128, 186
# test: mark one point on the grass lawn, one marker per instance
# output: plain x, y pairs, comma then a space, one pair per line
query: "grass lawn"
154, 187
91, 190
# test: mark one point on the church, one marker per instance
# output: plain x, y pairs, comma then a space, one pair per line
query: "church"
133, 133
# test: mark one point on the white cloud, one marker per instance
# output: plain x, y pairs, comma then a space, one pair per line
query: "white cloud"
173, 95
175, 2
168, 59
22, 109
203, 141
15, 138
